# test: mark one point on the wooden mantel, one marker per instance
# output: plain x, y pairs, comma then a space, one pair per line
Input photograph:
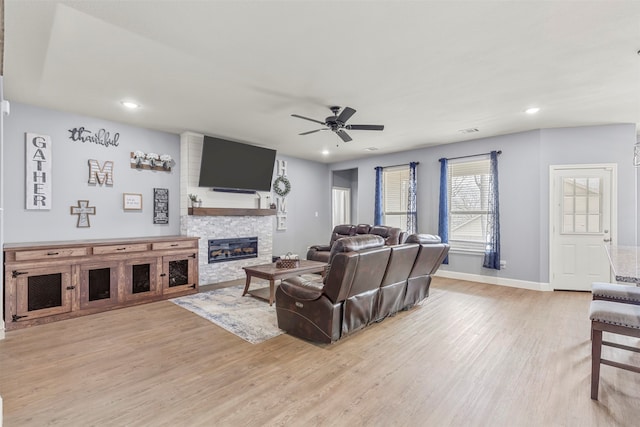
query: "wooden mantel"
231, 212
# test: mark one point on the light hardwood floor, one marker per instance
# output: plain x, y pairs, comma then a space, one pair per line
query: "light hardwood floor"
472, 354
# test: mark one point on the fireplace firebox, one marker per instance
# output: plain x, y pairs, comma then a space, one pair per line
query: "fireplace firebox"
221, 250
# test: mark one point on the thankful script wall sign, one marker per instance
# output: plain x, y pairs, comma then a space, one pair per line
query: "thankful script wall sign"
101, 137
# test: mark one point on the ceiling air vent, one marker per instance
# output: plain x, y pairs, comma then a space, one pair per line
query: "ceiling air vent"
469, 130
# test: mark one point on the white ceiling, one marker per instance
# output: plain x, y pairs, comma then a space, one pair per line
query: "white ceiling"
239, 69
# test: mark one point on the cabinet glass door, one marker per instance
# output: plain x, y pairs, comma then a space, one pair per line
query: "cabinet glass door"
141, 278
179, 273
98, 285
42, 292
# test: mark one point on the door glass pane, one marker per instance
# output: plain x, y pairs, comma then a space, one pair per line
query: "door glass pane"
581, 186
141, 278
99, 284
44, 291
568, 204
594, 205
567, 223
178, 272
567, 186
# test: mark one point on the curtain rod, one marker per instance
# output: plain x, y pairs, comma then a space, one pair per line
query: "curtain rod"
470, 155
393, 166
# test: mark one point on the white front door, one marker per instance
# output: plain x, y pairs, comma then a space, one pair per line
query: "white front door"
582, 221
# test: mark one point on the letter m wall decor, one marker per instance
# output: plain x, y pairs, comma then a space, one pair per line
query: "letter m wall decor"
38, 171
102, 175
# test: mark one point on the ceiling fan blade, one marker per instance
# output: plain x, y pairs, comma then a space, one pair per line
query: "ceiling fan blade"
365, 127
343, 135
347, 112
307, 118
311, 131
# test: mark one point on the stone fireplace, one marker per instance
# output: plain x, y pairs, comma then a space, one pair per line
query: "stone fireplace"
225, 216
223, 224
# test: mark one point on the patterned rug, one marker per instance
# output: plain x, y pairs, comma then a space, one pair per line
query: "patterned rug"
247, 317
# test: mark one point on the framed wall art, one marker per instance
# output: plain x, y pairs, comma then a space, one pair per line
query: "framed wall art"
131, 201
161, 206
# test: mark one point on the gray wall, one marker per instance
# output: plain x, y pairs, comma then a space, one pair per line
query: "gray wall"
524, 189
310, 185
593, 144
310, 194
523, 168
70, 175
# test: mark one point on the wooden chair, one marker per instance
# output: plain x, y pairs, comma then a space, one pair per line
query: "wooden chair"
616, 318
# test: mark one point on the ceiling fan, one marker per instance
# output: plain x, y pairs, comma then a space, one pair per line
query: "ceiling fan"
338, 123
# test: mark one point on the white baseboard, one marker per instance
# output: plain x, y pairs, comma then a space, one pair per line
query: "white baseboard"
492, 280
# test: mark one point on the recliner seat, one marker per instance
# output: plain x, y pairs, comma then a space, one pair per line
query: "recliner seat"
366, 281
391, 236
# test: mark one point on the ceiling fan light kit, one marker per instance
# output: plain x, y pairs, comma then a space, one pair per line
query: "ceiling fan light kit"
338, 123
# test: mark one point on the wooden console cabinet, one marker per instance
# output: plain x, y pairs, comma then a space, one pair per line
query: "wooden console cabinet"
51, 281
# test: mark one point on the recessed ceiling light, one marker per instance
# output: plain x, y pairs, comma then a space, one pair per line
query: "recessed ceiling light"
371, 149
325, 152
532, 110
130, 104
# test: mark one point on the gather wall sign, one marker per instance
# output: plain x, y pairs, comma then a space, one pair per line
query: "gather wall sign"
38, 172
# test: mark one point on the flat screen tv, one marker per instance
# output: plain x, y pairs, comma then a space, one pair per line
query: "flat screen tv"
228, 165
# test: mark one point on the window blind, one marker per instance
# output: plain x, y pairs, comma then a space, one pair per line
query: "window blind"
469, 203
395, 182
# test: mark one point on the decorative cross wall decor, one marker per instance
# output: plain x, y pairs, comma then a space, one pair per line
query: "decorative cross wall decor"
83, 210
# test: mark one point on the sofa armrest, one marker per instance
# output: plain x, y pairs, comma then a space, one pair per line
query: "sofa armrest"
319, 253
302, 289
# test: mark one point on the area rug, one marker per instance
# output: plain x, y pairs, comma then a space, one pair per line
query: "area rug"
247, 317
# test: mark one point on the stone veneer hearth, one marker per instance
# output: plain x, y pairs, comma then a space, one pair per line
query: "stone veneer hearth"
223, 227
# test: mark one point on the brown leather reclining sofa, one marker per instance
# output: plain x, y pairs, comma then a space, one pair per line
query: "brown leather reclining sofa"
366, 282
391, 236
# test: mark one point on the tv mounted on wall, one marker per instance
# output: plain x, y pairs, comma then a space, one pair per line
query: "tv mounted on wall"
228, 165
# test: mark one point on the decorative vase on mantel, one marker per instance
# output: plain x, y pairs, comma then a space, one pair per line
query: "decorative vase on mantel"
196, 204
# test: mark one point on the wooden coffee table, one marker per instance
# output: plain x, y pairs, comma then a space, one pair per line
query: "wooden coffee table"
271, 273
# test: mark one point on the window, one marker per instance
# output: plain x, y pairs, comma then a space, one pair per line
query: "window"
581, 205
469, 185
395, 196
